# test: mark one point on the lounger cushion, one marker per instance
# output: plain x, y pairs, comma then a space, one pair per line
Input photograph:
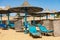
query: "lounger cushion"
3, 25
33, 31
44, 29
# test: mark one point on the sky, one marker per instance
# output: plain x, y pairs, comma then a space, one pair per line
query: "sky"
45, 4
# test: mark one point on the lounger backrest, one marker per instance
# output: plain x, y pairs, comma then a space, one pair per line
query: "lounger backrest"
32, 29
42, 28
12, 25
2, 25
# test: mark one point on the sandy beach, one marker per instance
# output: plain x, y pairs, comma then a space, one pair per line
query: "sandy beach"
13, 35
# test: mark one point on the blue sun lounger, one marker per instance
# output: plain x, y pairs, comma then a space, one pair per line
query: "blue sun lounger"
33, 31
12, 25
43, 29
2, 26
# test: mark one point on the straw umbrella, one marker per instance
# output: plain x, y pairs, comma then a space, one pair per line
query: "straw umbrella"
2, 11
6, 8
53, 11
46, 13
1, 16
37, 15
26, 8
58, 14
19, 24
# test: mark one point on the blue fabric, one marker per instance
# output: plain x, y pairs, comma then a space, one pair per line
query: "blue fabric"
44, 29
11, 25
3, 25
26, 24
33, 31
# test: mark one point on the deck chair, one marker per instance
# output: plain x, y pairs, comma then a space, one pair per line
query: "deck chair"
34, 32
43, 29
2, 26
11, 24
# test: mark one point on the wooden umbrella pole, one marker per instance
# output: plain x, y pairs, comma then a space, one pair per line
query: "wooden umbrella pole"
40, 17
1, 18
46, 16
8, 21
33, 20
25, 14
54, 16
25, 20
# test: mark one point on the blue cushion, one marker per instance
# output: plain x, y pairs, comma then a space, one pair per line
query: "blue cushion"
12, 25
44, 29
3, 25
32, 29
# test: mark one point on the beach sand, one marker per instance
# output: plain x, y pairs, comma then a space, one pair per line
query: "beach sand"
13, 35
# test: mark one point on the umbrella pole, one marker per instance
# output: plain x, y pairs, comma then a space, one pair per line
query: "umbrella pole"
54, 16
40, 18
1, 18
34, 20
26, 31
46, 16
8, 21
25, 17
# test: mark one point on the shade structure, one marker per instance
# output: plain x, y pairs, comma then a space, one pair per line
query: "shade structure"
29, 9
5, 11
46, 14
58, 14
41, 14
26, 8
2, 12
36, 15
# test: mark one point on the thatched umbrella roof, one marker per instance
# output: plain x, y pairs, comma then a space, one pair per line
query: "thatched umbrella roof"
5, 10
37, 15
43, 13
58, 12
26, 5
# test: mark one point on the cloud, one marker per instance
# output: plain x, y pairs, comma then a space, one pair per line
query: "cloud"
2, 7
